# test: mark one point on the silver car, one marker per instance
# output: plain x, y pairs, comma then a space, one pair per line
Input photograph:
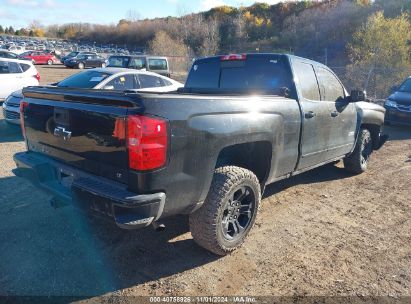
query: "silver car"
11, 107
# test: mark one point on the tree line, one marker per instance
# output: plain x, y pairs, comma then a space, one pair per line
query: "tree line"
354, 34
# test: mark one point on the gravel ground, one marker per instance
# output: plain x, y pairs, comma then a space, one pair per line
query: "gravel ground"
323, 233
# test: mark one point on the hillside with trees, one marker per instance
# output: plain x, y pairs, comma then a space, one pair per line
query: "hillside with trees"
353, 36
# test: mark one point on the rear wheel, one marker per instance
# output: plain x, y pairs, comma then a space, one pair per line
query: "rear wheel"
103, 65
80, 65
229, 211
358, 161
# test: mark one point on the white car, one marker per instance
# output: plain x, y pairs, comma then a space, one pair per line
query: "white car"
16, 74
121, 79
16, 49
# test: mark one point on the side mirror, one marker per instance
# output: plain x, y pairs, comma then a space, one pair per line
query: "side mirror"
358, 95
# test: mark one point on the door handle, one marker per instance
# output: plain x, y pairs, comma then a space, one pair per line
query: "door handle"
334, 114
310, 114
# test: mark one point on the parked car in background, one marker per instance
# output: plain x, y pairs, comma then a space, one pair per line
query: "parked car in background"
398, 104
11, 55
14, 75
16, 49
154, 64
11, 107
8, 54
39, 57
86, 60
100, 78
121, 80
74, 54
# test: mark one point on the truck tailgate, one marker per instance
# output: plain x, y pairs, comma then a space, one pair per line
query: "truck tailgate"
81, 129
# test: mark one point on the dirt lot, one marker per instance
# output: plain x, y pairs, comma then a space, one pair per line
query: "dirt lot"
322, 233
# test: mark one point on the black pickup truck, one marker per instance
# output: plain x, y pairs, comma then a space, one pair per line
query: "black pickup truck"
241, 122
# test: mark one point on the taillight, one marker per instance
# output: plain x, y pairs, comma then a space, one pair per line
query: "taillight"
146, 142
23, 106
234, 57
37, 76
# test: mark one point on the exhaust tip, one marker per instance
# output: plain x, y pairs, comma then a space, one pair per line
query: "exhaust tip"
158, 227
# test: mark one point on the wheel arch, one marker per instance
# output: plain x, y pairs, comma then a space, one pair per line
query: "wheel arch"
255, 156
375, 131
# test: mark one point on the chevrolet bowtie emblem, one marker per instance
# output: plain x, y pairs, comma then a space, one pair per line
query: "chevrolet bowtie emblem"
62, 132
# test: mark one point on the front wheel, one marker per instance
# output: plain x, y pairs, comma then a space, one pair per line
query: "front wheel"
103, 65
229, 211
80, 65
50, 62
357, 162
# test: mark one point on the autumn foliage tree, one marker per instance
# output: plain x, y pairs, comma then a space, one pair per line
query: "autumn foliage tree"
381, 47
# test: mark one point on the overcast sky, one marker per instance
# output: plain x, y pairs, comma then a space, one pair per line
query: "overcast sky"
20, 13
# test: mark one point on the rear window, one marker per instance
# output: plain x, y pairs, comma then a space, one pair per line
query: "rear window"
149, 81
118, 62
85, 80
157, 64
258, 73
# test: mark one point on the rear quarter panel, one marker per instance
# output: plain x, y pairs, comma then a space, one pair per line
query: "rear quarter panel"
200, 127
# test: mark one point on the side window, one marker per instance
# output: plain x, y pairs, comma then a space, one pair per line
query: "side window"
14, 68
149, 81
124, 82
137, 63
307, 82
166, 82
4, 67
330, 88
157, 64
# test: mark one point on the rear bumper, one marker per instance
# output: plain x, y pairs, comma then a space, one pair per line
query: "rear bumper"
90, 193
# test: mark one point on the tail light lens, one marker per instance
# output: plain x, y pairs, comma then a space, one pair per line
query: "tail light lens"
23, 106
146, 142
37, 76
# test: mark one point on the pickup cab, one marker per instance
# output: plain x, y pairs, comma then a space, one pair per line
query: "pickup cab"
241, 122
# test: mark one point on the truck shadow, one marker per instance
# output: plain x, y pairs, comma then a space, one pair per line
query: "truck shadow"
48, 252
322, 174
9, 132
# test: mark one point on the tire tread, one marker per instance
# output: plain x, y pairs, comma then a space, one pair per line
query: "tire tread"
203, 222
